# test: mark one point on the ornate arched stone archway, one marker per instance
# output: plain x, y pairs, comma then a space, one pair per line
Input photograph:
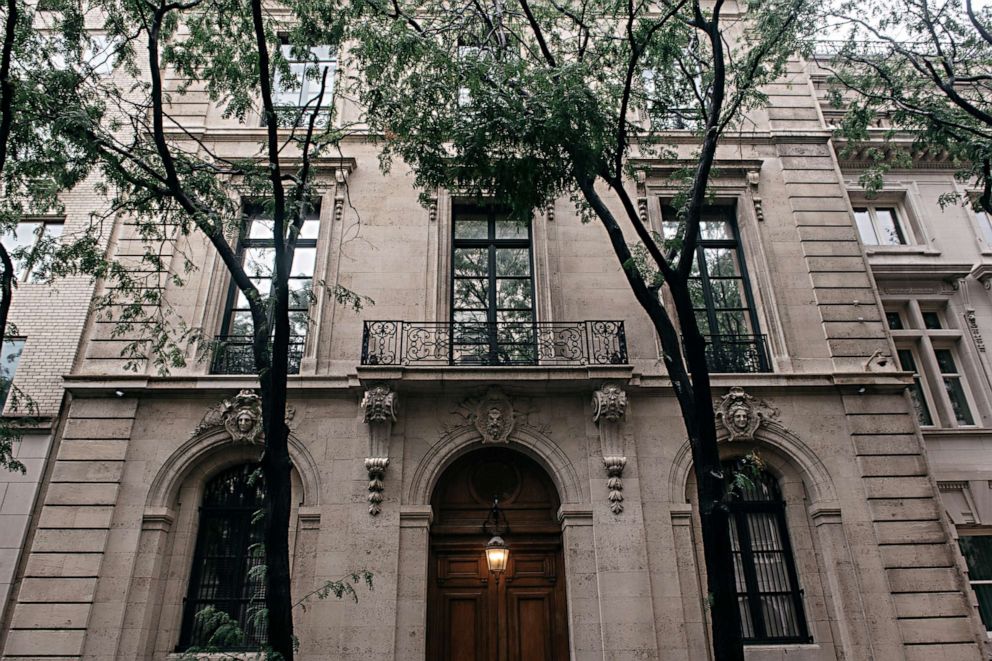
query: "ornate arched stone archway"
465, 438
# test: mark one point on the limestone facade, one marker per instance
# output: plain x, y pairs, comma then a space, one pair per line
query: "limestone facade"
109, 561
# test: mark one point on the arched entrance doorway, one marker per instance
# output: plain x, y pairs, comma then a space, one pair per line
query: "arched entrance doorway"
472, 615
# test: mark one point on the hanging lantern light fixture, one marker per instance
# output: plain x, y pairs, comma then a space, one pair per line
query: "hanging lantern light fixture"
497, 551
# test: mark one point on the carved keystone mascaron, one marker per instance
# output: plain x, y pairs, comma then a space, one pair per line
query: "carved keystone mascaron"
741, 414
241, 417
380, 405
609, 405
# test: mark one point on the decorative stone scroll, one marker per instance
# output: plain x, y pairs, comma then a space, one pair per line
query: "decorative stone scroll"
609, 405
741, 414
380, 405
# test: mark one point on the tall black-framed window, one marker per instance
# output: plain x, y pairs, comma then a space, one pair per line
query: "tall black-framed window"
721, 292
257, 252
228, 552
492, 289
768, 594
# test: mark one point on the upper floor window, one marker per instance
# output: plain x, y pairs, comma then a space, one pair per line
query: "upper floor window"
295, 96
768, 594
226, 574
721, 293
984, 221
492, 289
977, 552
928, 348
257, 250
10, 357
26, 245
880, 226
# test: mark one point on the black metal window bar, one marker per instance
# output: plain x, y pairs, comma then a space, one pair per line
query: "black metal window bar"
227, 560
521, 344
768, 594
234, 355
736, 353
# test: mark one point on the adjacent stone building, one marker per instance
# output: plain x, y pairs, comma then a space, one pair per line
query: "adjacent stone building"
511, 361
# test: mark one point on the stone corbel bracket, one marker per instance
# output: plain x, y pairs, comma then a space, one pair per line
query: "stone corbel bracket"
380, 405
609, 405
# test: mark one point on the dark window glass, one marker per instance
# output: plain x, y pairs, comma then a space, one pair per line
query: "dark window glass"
10, 356
768, 593
908, 363
931, 320
953, 386
879, 226
977, 551
894, 320
721, 294
492, 292
227, 574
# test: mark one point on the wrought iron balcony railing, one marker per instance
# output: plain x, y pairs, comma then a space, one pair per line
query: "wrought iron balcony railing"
736, 353
233, 355
489, 344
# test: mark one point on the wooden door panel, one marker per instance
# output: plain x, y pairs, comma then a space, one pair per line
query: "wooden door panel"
530, 624
465, 635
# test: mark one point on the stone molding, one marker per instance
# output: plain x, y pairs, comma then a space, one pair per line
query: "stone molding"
609, 406
462, 439
380, 405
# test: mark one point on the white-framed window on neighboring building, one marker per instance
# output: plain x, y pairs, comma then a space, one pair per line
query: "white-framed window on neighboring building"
927, 346
26, 242
10, 357
977, 552
881, 225
295, 96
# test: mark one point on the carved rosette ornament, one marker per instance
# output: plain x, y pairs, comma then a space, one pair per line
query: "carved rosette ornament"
380, 405
609, 405
493, 417
741, 414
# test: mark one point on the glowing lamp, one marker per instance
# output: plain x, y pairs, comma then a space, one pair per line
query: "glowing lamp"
497, 553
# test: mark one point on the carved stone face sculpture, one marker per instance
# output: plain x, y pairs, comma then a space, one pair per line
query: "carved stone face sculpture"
740, 417
245, 421
495, 421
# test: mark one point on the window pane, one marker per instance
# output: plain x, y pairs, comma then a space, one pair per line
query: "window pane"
889, 232
468, 228
728, 293
894, 320
259, 261
733, 323
10, 356
931, 320
977, 552
945, 361
303, 262
259, 228
671, 229
514, 261
908, 363
959, 403
511, 229
865, 228
310, 229
471, 262
985, 225
715, 229
241, 324
299, 320
300, 293
721, 262
471, 293
513, 294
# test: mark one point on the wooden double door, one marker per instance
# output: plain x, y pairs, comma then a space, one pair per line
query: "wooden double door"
473, 615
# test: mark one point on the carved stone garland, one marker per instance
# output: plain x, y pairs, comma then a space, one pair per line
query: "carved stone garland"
380, 405
609, 405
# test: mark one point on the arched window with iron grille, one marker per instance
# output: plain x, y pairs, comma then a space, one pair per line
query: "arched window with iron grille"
768, 593
226, 574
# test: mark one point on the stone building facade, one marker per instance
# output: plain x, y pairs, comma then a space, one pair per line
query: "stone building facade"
843, 548
48, 320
